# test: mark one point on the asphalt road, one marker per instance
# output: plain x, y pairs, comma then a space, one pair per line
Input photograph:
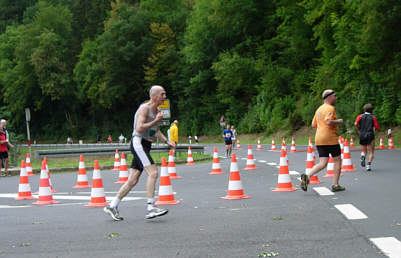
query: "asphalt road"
292, 224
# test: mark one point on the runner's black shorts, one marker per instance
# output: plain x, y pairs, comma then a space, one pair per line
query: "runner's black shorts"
140, 149
325, 150
3, 155
366, 140
228, 142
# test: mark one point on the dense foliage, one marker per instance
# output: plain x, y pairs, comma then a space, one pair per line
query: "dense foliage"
83, 67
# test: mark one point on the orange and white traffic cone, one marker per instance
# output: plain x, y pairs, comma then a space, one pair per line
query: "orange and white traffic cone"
116, 161
341, 142
351, 143
381, 146
48, 175
216, 168
238, 145
293, 149
273, 145
390, 143
190, 160
347, 162
28, 165
313, 148
172, 172
82, 179
123, 175
309, 165
284, 180
284, 147
24, 188
259, 146
98, 198
330, 168
45, 193
166, 193
235, 190
250, 161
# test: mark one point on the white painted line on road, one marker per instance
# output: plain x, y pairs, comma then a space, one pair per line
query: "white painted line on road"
131, 192
262, 161
277, 166
244, 158
323, 191
272, 163
11, 207
294, 173
350, 211
299, 178
390, 246
75, 197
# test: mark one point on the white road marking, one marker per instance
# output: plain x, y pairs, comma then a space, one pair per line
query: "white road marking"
293, 172
390, 246
244, 158
75, 197
277, 166
272, 163
323, 191
299, 178
262, 161
11, 207
350, 211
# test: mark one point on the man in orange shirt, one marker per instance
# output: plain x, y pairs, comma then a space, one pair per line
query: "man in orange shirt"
326, 122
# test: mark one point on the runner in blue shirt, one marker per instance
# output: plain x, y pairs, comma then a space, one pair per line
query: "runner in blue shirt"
227, 134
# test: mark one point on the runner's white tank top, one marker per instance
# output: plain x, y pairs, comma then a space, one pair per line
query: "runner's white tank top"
150, 133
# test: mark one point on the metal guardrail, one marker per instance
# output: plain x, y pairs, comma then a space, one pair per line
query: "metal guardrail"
71, 152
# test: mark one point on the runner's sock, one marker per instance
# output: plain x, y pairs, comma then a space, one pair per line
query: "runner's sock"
150, 204
114, 203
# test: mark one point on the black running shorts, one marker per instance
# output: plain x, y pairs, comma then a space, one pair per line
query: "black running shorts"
140, 149
3, 155
325, 150
228, 142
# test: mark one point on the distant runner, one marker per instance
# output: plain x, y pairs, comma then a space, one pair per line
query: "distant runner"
367, 124
227, 134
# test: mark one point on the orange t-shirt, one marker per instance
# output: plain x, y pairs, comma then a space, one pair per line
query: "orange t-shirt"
325, 134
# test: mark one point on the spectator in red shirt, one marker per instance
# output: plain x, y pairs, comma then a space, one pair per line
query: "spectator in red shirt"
4, 145
366, 124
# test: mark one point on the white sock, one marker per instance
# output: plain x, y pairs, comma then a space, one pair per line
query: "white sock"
115, 202
150, 203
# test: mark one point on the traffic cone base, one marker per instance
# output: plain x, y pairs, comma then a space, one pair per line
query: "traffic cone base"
314, 180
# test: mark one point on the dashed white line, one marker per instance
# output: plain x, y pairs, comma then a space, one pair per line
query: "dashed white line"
350, 211
262, 161
390, 246
272, 163
323, 191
